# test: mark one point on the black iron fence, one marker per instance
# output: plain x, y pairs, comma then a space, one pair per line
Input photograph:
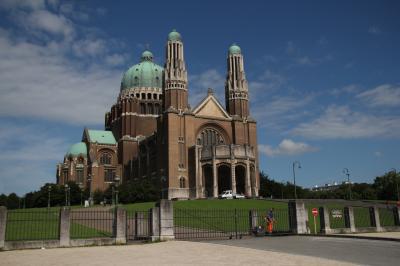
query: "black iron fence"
38, 224
225, 224
138, 225
92, 223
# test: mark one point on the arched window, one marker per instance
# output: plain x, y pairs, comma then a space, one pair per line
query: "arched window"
182, 182
150, 108
142, 108
210, 137
105, 158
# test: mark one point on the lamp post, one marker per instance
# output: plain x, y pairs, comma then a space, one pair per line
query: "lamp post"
116, 180
397, 183
48, 200
89, 179
347, 173
66, 195
296, 164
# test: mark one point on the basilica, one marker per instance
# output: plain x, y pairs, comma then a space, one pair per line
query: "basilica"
152, 132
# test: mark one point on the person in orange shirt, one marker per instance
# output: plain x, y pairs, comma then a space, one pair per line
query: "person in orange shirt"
270, 220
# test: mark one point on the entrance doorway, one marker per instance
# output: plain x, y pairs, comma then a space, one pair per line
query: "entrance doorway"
240, 173
224, 178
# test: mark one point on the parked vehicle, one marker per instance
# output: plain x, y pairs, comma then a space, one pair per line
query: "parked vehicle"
228, 194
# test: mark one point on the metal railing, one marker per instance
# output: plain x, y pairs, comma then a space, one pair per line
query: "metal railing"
39, 224
138, 225
224, 224
92, 223
387, 216
337, 217
362, 217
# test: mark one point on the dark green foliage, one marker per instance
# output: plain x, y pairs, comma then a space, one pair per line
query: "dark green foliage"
138, 191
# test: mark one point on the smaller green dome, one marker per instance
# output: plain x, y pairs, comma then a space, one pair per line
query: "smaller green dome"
77, 149
147, 56
234, 49
174, 36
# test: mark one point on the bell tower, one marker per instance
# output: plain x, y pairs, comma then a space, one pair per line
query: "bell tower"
175, 74
236, 88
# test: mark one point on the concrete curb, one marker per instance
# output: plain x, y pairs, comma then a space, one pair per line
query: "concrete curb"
358, 237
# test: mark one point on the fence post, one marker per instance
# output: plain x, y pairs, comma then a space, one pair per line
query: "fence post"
65, 215
396, 214
298, 217
120, 236
166, 220
349, 218
3, 222
375, 221
325, 220
155, 223
253, 219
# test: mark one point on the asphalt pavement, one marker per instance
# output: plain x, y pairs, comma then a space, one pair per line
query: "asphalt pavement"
359, 251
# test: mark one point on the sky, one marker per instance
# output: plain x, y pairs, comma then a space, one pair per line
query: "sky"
324, 78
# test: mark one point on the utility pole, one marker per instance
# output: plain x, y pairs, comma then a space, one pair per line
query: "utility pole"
48, 200
346, 172
397, 183
295, 164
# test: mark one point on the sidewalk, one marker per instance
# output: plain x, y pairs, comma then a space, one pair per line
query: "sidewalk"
165, 253
394, 236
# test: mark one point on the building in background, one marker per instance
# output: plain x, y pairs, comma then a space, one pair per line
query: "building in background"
153, 133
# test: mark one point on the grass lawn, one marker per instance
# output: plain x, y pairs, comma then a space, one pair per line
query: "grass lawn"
32, 224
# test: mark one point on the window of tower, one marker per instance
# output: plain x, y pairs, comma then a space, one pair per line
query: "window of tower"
156, 108
148, 96
143, 96
182, 182
150, 108
105, 158
142, 108
155, 96
138, 95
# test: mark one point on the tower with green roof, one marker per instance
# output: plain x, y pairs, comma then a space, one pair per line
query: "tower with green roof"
236, 88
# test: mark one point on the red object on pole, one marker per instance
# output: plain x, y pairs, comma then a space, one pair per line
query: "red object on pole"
315, 211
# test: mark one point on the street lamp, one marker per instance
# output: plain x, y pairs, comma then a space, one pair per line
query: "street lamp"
66, 194
346, 172
48, 200
116, 180
397, 183
89, 179
295, 164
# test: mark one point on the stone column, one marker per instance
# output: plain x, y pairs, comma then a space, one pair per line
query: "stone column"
349, 218
3, 222
166, 220
233, 176
215, 178
253, 218
65, 215
247, 180
155, 224
120, 236
324, 220
375, 221
298, 217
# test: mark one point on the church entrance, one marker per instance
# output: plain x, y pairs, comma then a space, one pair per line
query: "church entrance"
224, 178
208, 180
240, 173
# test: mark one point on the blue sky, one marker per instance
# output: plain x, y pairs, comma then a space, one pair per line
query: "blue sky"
323, 78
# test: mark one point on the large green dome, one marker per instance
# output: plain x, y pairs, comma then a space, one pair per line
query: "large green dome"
144, 74
174, 36
77, 149
234, 49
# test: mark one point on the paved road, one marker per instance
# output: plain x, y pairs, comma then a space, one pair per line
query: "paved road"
359, 251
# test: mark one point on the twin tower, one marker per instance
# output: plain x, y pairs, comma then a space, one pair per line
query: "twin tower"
185, 152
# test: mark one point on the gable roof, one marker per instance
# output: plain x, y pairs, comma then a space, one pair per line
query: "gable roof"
101, 137
210, 107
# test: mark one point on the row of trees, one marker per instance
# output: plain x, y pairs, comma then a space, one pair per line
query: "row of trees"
383, 188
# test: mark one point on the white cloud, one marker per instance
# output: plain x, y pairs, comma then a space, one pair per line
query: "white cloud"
286, 147
381, 96
348, 89
40, 79
375, 30
17, 4
378, 154
27, 153
339, 122
290, 48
